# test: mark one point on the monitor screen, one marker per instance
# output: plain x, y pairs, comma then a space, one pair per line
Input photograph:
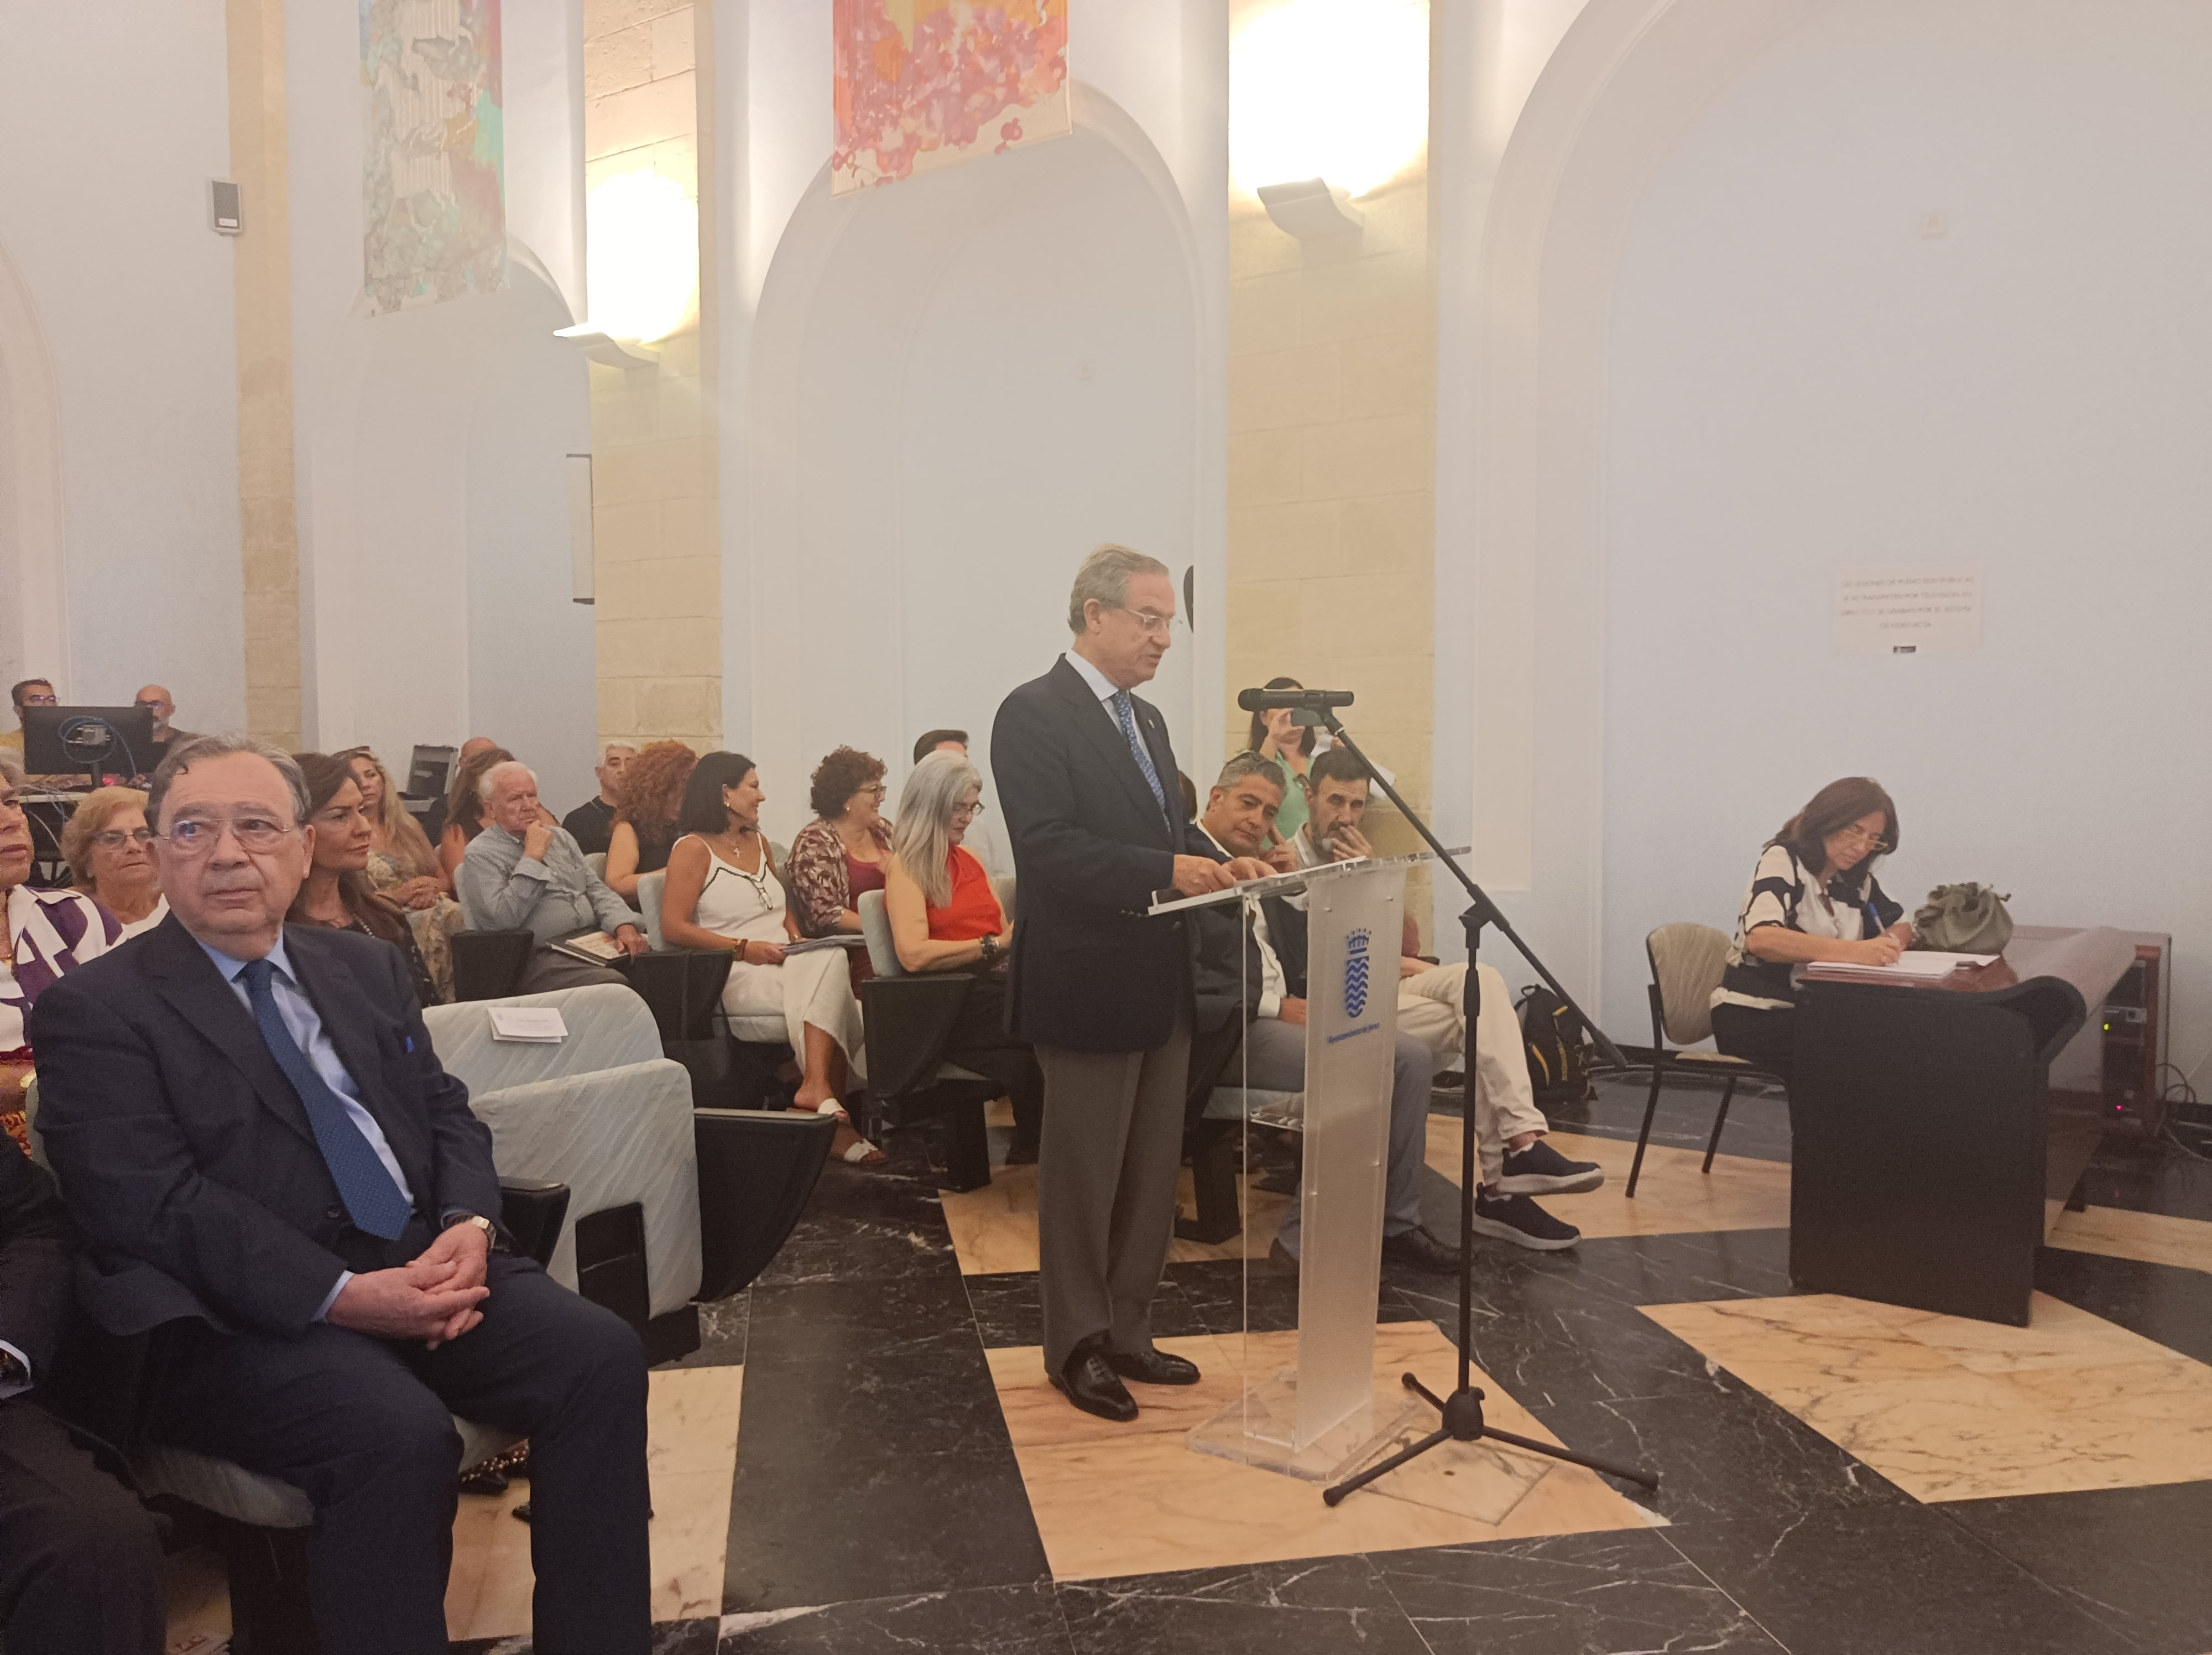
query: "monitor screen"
114, 741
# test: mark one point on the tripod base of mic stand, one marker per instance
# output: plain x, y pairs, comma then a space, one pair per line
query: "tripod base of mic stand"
1462, 1420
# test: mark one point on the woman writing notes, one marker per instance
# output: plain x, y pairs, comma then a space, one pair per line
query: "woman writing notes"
1812, 897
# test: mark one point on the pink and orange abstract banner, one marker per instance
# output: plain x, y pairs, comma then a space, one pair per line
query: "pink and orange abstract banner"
923, 83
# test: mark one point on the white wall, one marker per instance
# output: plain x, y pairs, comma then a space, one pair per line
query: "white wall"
435, 561
1800, 378
103, 210
964, 382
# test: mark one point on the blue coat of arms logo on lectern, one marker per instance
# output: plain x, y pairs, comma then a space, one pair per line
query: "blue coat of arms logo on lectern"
1355, 971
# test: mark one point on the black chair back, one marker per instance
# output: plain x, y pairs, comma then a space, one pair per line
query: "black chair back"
490, 964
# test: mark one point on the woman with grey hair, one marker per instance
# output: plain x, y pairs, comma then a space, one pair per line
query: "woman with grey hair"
945, 918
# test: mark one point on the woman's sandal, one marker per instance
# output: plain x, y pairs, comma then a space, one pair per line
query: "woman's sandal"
859, 1151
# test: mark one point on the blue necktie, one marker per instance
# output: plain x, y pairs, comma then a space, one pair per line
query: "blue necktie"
372, 1199
1128, 716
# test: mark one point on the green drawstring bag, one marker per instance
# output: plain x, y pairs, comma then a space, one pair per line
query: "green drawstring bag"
1963, 919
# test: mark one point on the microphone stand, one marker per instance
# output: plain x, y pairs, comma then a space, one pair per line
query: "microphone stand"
1461, 1412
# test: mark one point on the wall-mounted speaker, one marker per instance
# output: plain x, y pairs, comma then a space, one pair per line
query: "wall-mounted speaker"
223, 209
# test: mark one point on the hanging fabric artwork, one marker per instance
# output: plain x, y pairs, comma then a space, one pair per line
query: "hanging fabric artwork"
433, 195
924, 83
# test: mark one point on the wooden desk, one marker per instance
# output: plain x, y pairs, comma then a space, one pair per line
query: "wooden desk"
1939, 1128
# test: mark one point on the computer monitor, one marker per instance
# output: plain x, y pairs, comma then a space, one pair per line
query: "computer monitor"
99, 742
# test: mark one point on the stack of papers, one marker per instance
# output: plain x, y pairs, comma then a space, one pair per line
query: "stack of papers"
1923, 964
834, 939
538, 1025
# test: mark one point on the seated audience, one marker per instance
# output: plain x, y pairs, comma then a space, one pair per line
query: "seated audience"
983, 841
840, 853
522, 873
336, 892
1510, 1130
166, 737
48, 932
258, 1147
403, 867
945, 918
645, 827
1239, 818
1813, 896
723, 893
80, 1558
1290, 747
110, 851
31, 692
591, 823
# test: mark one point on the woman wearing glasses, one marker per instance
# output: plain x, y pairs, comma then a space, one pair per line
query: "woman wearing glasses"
110, 851
945, 918
841, 852
1812, 897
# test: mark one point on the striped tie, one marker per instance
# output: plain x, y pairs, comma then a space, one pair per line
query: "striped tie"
1127, 715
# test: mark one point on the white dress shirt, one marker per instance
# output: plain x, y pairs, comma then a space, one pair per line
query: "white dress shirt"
1101, 686
1272, 983
304, 1024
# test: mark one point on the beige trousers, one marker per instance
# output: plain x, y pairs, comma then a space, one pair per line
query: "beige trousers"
1430, 1009
813, 988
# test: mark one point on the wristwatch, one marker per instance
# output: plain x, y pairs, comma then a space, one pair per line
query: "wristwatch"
490, 1230
990, 949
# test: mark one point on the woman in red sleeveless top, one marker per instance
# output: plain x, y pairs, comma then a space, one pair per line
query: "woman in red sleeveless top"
945, 918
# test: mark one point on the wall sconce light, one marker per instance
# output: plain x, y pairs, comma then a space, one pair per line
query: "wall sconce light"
1310, 210
1328, 99
641, 266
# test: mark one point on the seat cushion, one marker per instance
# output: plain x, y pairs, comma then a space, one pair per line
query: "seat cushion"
231, 1491
608, 1027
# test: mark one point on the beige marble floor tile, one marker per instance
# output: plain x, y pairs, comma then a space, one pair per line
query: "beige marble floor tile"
1672, 1196
1126, 1500
1038, 1416
691, 1456
2154, 1238
994, 1229
1949, 1409
195, 1595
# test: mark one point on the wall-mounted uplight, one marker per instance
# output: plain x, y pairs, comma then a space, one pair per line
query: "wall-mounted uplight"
642, 256
1334, 90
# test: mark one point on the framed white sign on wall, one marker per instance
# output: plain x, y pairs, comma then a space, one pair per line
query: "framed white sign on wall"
1908, 609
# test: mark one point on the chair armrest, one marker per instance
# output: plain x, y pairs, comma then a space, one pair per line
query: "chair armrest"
531, 1210
908, 1021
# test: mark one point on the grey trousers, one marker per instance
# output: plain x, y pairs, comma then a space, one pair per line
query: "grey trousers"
1108, 1162
549, 969
1277, 1058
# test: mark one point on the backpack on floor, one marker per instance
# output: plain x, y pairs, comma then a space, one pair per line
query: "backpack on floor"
1558, 1048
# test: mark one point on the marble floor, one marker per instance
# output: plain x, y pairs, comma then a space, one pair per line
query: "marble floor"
1839, 1478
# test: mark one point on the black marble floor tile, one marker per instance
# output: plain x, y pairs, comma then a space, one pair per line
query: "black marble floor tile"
722, 1327
1007, 1308
2134, 1559
1723, 1454
836, 1531
1899, 1580
2161, 1302
858, 1322
991, 1620
2149, 1175
1591, 1594
1318, 1606
1757, 1124
1222, 1293
798, 1416
841, 1247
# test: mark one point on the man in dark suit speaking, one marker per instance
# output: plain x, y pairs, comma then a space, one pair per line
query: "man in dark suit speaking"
257, 1141
1087, 779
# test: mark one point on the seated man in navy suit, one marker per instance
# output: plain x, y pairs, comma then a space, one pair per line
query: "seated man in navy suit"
255, 1141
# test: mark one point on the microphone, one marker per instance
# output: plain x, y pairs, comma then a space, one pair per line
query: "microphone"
1313, 701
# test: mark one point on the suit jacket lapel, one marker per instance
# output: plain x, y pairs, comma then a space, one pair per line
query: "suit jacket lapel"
1097, 721
189, 981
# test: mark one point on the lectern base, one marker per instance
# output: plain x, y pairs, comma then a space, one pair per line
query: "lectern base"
1257, 1430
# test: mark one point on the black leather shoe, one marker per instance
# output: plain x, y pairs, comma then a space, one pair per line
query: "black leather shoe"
1152, 1367
1418, 1249
1093, 1386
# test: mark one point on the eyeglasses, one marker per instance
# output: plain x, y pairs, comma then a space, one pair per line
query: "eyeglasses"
116, 838
1855, 835
1154, 624
256, 834
49, 699
968, 812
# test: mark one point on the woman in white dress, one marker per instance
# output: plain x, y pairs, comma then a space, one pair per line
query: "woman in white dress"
723, 893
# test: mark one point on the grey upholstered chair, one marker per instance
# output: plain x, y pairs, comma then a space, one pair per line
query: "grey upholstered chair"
1687, 963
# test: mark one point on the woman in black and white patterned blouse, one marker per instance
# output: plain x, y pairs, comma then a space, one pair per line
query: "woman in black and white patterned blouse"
1813, 896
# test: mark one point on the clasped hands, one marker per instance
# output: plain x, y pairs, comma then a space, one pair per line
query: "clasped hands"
430, 1299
